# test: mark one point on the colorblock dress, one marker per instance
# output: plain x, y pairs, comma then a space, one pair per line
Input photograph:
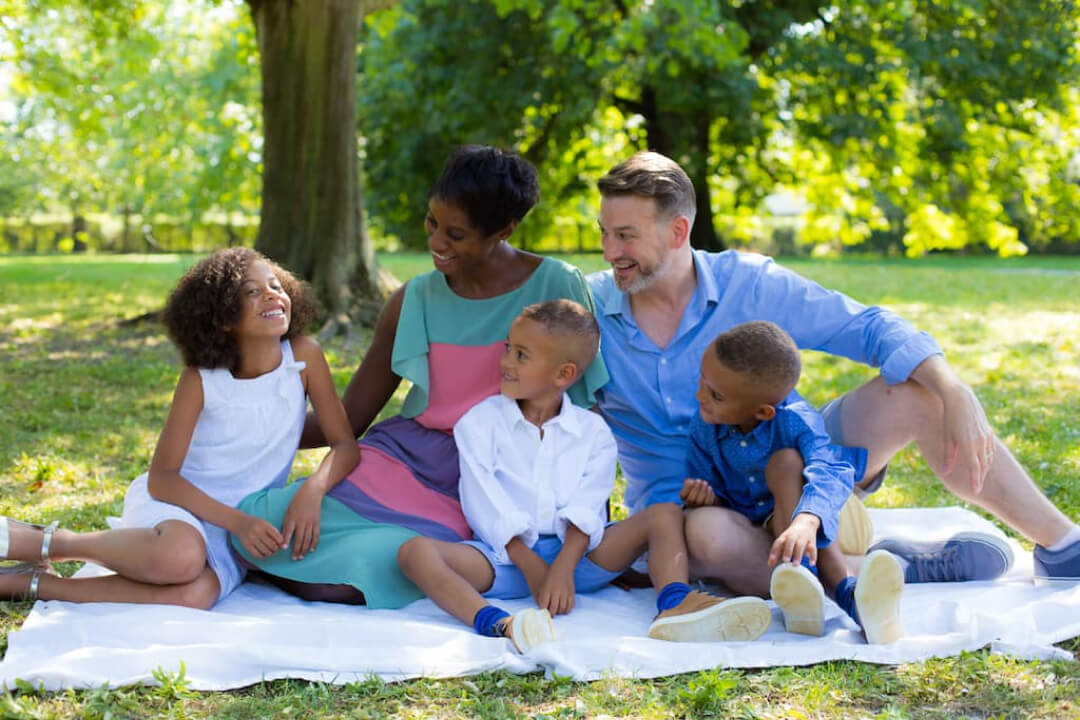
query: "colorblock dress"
406, 484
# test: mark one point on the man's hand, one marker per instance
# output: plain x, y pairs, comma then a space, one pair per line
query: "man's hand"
797, 540
697, 493
969, 441
301, 525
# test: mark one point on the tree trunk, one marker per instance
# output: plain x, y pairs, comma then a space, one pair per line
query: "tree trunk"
311, 219
703, 233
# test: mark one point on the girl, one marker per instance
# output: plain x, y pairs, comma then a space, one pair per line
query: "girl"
233, 428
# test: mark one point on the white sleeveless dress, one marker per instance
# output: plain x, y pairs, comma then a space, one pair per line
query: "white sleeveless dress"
245, 439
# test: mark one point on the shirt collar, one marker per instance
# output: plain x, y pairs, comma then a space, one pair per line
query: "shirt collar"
567, 418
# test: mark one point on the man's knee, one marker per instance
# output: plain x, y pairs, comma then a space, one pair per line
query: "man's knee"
784, 468
706, 529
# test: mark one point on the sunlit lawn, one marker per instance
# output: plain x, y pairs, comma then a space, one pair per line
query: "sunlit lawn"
82, 398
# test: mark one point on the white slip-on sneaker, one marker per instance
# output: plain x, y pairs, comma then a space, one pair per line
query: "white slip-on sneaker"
800, 596
529, 628
877, 598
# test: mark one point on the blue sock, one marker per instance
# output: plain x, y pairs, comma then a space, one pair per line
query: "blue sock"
671, 595
845, 597
486, 621
806, 564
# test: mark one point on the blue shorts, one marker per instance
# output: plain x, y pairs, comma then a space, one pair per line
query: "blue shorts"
509, 582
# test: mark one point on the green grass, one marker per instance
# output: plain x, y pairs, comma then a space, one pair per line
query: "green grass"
83, 398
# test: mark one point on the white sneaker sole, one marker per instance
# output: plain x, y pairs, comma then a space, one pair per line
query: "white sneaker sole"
531, 627
800, 596
736, 620
877, 598
854, 529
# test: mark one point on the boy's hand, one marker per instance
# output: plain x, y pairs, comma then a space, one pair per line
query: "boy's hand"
258, 537
301, 524
697, 493
800, 538
556, 592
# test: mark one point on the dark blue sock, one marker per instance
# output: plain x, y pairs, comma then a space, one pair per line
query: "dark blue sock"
486, 621
806, 564
671, 595
845, 597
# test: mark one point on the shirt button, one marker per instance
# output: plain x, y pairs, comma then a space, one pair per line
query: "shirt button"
761, 502
668, 400
742, 443
752, 478
663, 361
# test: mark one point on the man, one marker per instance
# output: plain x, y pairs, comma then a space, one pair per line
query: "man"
662, 303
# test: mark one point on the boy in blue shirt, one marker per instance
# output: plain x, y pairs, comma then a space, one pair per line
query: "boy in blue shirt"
758, 448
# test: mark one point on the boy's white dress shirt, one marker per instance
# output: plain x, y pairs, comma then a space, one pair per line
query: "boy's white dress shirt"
515, 483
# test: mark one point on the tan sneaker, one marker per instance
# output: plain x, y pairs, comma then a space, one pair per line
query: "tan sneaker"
877, 598
800, 596
704, 617
529, 628
855, 529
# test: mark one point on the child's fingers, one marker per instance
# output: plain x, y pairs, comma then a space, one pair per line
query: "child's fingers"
811, 550
774, 552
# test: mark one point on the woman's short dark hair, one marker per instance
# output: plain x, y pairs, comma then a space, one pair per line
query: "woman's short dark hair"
494, 187
207, 301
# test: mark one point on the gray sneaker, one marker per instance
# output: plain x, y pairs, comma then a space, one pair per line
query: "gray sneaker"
964, 556
1060, 566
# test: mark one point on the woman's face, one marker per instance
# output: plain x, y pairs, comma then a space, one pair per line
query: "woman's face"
455, 243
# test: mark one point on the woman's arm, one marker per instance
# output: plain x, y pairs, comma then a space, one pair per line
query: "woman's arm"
165, 482
373, 383
302, 517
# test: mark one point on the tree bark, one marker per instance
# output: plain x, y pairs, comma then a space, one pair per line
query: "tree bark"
312, 218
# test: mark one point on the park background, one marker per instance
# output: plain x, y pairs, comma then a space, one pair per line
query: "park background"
908, 153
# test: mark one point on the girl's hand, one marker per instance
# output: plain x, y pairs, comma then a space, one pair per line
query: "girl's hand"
800, 538
258, 537
301, 525
697, 493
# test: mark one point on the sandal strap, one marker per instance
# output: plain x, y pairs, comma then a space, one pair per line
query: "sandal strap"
32, 590
46, 540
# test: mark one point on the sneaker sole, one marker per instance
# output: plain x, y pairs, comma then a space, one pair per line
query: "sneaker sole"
736, 620
530, 628
855, 529
800, 597
877, 598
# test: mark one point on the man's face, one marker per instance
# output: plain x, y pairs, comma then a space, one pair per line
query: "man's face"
636, 243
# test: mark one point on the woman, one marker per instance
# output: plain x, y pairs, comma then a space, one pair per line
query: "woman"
444, 332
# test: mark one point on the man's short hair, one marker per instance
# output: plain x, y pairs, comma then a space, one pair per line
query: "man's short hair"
763, 351
570, 320
656, 176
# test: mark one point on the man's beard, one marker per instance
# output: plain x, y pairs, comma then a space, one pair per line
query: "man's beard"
645, 278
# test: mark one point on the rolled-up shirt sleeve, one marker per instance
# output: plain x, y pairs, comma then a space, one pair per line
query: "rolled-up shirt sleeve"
587, 509
490, 512
827, 320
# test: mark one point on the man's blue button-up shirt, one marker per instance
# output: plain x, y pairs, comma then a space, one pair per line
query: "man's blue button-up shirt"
649, 402
734, 464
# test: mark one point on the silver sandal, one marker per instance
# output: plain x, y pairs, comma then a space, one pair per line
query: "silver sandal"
46, 537
35, 570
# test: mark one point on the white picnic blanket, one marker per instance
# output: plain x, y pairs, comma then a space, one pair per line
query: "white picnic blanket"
260, 633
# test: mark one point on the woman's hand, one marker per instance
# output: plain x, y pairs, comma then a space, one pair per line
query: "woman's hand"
301, 525
259, 538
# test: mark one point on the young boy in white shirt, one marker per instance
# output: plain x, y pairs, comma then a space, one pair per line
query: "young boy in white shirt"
536, 474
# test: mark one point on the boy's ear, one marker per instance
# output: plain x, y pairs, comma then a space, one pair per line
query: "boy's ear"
765, 412
566, 374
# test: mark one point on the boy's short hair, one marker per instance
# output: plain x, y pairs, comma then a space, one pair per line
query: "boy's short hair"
763, 351
494, 187
656, 176
207, 301
572, 321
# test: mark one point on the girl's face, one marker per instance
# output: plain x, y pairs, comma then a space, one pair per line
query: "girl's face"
265, 308
455, 243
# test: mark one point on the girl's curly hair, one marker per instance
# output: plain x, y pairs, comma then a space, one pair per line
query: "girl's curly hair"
206, 303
